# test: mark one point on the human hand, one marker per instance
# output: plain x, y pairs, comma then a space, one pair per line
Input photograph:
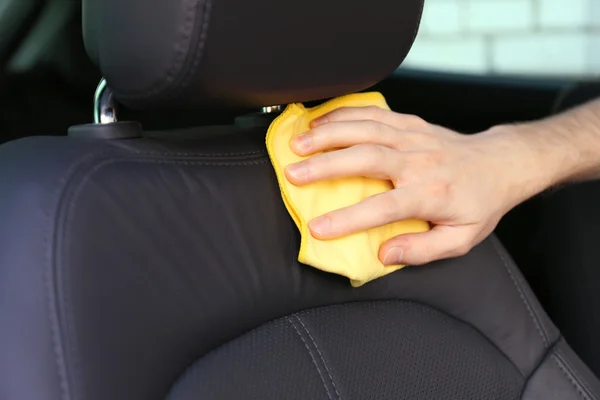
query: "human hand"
462, 184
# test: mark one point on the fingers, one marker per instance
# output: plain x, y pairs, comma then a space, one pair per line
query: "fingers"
373, 113
345, 134
349, 126
381, 209
422, 248
370, 161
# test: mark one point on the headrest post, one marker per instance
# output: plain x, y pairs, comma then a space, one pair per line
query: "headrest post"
105, 106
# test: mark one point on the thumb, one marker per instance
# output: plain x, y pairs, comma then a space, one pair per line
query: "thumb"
422, 248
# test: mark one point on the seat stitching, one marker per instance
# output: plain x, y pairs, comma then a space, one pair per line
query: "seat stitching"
521, 294
53, 300
320, 355
194, 154
182, 48
569, 376
560, 355
238, 163
199, 49
57, 304
539, 365
311, 356
177, 67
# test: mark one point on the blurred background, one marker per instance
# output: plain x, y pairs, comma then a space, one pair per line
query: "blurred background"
557, 38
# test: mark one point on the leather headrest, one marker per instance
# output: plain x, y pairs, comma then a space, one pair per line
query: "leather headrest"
249, 53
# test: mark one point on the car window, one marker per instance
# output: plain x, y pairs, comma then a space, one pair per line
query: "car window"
509, 37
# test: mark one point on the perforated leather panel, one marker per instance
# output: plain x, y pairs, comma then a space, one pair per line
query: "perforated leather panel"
375, 350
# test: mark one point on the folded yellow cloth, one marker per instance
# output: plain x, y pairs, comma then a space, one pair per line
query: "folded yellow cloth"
353, 256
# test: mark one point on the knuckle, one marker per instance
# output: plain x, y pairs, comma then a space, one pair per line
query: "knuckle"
416, 121
420, 139
314, 165
376, 152
426, 160
439, 189
373, 127
389, 205
404, 177
433, 158
373, 112
324, 160
407, 142
371, 154
318, 133
426, 255
411, 121
338, 113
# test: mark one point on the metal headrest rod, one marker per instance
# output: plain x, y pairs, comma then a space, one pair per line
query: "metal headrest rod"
105, 125
105, 110
105, 106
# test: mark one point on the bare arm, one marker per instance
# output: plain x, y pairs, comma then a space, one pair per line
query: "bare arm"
567, 146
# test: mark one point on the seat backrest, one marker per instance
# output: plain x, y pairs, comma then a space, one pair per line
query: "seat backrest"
158, 265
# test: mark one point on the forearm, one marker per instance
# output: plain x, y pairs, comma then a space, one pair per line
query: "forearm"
565, 148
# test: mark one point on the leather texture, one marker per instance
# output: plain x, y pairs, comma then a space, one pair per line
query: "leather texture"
189, 53
337, 355
124, 263
561, 375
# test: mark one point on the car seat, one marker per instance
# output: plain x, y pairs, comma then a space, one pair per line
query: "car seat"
143, 265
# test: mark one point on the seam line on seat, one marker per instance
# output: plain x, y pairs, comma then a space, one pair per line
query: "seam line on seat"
182, 46
199, 51
560, 356
177, 69
569, 377
530, 311
195, 154
542, 361
62, 307
54, 303
320, 355
312, 357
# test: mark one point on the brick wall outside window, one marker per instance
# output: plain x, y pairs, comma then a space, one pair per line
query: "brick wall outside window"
509, 37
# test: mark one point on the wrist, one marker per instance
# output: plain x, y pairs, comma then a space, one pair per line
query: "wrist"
566, 146
535, 159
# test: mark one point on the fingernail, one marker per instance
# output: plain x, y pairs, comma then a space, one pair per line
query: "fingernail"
297, 170
302, 142
320, 225
393, 256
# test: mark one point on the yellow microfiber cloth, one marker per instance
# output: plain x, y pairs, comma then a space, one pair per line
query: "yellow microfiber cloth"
353, 256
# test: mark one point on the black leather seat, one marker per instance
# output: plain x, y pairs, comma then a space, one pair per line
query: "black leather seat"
147, 265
